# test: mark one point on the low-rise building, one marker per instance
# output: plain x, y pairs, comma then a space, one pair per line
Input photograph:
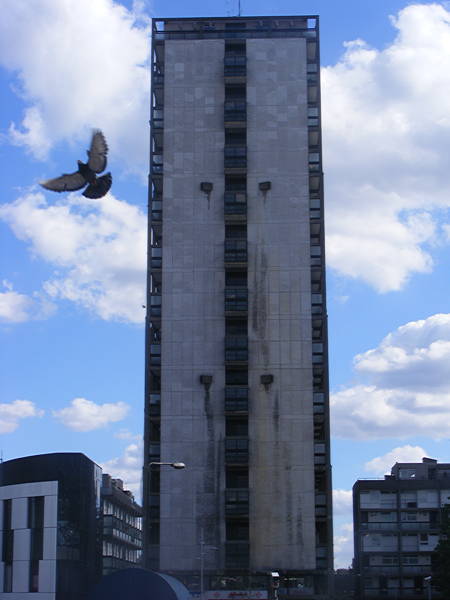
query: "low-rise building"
122, 529
63, 525
396, 529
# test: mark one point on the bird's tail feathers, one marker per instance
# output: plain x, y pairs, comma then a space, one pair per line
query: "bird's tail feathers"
99, 188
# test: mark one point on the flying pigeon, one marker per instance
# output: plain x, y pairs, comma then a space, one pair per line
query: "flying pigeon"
86, 174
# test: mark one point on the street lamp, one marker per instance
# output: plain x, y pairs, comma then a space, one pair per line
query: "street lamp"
428, 581
174, 465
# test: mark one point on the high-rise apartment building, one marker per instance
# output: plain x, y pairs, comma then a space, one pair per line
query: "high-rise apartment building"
397, 523
236, 351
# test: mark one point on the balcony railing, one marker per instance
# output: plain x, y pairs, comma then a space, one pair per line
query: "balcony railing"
236, 399
155, 306
236, 451
235, 113
235, 251
235, 206
154, 404
235, 66
236, 300
235, 157
156, 257
236, 348
236, 502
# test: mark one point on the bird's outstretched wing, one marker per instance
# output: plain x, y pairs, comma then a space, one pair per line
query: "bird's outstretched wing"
99, 188
97, 152
68, 182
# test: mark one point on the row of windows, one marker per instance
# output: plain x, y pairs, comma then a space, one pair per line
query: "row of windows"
117, 511
119, 551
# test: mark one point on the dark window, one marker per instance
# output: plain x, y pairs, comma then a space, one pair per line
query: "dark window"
7, 514
235, 184
37, 544
34, 576
237, 531
235, 92
235, 279
236, 478
236, 327
236, 377
236, 427
8, 546
235, 231
36, 512
154, 533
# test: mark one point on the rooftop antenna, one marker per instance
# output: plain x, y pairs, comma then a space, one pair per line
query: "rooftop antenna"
239, 9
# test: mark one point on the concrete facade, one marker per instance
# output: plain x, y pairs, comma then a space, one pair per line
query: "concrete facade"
273, 455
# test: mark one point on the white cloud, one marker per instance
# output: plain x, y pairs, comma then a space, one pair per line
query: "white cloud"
18, 308
125, 434
386, 133
85, 415
90, 72
343, 546
13, 412
99, 248
342, 502
383, 464
408, 392
127, 467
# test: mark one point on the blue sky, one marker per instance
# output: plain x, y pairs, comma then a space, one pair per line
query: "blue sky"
73, 270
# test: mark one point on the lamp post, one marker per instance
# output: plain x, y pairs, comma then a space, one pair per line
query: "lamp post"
202, 562
428, 581
149, 466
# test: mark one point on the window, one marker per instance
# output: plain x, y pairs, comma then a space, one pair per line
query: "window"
407, 473
236, 478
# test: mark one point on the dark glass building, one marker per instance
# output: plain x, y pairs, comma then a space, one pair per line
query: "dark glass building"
51, 509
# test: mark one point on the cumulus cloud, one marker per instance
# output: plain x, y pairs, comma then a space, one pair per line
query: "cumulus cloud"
408, 392
85, 415
98, 247
342, 502
383, 464
343, 546
125, 434
127, 467
386, 133
18, 308
100, 51
11, 413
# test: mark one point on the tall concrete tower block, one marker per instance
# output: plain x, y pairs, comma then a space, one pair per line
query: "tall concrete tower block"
236, 346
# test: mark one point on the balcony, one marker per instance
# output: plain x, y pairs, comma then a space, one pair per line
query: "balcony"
235, 113
155, 355
236, 399
235, 253
235, 160
155, 257
155, 307
154, 405
235, 68
236, 301
235, 206
236, 349
156, 212
236, 451
236, 502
